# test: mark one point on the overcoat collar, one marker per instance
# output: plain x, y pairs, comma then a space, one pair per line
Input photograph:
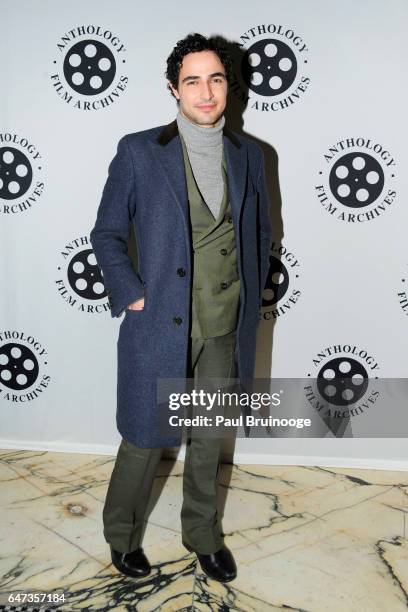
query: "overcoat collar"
171, 130
168, 151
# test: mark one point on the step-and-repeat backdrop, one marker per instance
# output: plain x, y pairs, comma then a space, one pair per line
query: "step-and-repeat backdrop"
319, 85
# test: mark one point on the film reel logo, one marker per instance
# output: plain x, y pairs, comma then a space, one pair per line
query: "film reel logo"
88, 74
269, 67
20, 173
81, 284
280, 293
342, 381
358, 182
22, 367
342, 388
269, 63
89, 67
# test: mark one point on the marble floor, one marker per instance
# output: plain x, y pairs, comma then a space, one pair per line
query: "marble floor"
310, 539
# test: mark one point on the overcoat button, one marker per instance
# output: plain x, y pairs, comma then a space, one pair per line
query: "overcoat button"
224, 252
181, 271
177, 320
224, 285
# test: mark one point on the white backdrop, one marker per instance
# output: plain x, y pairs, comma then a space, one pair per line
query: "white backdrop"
339, 105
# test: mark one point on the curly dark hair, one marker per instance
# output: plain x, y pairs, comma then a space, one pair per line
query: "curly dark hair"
190, 44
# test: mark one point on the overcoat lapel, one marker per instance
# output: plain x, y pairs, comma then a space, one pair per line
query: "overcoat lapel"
236, 158
168, 151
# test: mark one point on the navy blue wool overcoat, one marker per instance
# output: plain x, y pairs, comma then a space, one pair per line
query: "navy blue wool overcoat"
146, 186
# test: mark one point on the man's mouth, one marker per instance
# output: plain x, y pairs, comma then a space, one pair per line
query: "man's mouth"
206, 106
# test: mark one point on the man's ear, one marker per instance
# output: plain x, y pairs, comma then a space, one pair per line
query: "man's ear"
174, 90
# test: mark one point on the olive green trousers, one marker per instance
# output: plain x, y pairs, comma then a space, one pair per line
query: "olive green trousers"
124, 513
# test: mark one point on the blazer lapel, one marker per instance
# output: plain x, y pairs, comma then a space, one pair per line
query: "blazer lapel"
168, 151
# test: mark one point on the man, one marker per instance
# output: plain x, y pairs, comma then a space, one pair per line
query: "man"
196, 195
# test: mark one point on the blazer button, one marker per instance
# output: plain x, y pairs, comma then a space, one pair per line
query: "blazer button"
181, 271
230, 220
177, 320
224, 252
224, 285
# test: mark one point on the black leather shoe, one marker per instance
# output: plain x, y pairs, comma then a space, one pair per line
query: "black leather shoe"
133, 564
219, 566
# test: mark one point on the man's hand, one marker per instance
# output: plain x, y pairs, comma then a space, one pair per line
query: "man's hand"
138, 305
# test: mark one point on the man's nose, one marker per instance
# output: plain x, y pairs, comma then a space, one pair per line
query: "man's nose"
207, 92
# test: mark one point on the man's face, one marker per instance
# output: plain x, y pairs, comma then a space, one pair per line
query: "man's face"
202, 88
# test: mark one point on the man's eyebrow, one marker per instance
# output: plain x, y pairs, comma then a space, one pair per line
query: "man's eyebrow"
194, 78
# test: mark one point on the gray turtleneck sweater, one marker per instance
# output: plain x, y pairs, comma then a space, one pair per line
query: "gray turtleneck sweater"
204, 147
